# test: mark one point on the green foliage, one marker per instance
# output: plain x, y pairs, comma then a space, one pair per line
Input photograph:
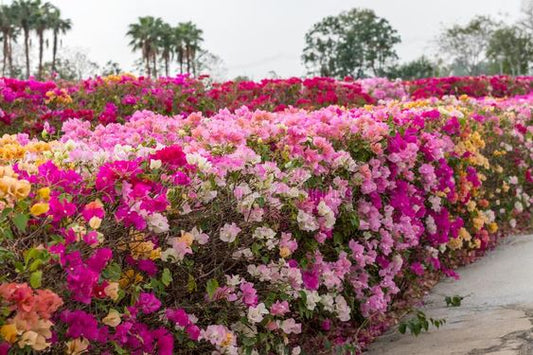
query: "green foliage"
112, 68
466, 45
153, 37
211, 287
24, 17
453, 301
511, 49
416, 69
20, 220
355, 43
166, 277
36, 279
420, 323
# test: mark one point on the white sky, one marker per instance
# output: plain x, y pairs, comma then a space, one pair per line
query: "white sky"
254, 37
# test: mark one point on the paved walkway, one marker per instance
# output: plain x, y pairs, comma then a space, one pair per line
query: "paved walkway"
496, 317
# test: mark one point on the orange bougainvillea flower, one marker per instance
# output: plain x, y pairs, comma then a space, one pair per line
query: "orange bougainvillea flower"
9, 332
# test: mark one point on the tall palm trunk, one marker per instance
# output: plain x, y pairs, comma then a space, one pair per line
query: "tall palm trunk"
166, 64
27, 50
54, 51
187, 56
5, 51
41, 47
154, 61
146, 59
10, 57
180, 59
193, 61
148, 67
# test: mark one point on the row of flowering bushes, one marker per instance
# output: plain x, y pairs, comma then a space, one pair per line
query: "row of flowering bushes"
249, 232
477, 86
30, 106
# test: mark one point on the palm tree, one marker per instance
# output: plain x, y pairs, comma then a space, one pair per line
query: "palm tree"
166, 44
26, 12
43, 22
157, 27
192, 37
58, 26
179, 45
144, 37
9, 33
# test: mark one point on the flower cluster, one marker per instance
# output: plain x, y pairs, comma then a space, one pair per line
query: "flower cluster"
35, 107
29, 313
249, 230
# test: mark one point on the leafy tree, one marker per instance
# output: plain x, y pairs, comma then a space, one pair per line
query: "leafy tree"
75, 64
207, 62
416, 69
355, 43
512, 49
526, 21
467, 45
112, 68
240, 78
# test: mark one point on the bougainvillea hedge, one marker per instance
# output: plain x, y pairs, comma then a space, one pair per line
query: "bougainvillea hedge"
29, 105
248, 232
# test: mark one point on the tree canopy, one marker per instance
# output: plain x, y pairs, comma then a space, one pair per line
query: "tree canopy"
355, 43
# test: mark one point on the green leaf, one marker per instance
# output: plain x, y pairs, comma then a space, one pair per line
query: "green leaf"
166, 278
6, 233
35, 265
21, 221
211, 287
112, 272
402, 328
454, 301
36, 279
19, 267
191, 284
260, 201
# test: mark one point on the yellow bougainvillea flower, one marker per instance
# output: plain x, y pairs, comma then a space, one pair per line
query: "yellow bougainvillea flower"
39, 208
77, 346
227, 342
17, 189
478, 223
155, 254
34, 340
186, 237
95, 222
455, 243
493, 227
22, 189
44, 193
111, 290
112, 319
130, 277
284, 252
9, 332
464, 235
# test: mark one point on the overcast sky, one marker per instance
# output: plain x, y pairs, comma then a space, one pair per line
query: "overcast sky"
254, 37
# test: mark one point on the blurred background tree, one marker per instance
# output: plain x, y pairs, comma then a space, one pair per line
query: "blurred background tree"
355, 43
